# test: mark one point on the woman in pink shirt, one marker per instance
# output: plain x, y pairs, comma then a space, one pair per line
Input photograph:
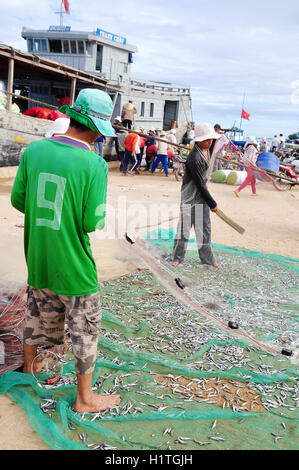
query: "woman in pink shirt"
250, 156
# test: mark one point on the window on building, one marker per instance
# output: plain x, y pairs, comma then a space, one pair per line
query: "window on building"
30, 45
142, 107
88, 46
99, 60
44, 45
40, 45
80, 47
55, 46
125, 68
152, 109
73, 47
66, 47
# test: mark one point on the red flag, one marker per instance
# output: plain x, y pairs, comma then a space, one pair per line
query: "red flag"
66, 6
245, 115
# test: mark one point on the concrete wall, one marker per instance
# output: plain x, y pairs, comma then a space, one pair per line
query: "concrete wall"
158, 99
114, 63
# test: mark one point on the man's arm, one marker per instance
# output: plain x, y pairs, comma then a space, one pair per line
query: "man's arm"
94, 211
18, 192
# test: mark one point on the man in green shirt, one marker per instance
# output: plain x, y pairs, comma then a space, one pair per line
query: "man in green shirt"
61, 188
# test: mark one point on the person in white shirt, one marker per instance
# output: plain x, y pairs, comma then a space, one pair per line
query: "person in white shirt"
282, 141
263, 147
172, 138
138, 154
275, 144
190, 136
161, 156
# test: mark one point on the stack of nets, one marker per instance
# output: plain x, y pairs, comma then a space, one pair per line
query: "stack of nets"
12, 314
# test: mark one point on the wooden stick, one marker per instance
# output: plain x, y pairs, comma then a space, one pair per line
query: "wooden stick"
230, 222
30, 99
270, 173
153, 137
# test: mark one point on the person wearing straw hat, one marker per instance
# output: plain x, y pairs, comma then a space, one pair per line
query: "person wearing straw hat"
196, 200
128, 114
61, 187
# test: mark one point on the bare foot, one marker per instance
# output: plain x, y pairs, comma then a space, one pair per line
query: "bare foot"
255, 194
97, 403
174, 263
217, 265
236, 193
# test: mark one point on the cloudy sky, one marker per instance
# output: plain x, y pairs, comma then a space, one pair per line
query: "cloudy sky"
219, 48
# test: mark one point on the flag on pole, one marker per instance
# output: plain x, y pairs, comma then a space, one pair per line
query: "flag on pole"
66, 6
245, 115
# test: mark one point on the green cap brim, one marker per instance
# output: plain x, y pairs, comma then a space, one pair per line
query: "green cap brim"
95, 124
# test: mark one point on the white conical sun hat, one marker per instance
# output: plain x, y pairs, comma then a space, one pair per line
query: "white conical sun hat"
205, 131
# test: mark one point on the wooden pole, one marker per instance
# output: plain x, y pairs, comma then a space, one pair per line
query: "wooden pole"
179, 146
73, 91
230, 222
10, 80
30, 99
270, 173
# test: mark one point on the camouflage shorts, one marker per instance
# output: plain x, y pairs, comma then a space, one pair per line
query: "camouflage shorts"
48, 314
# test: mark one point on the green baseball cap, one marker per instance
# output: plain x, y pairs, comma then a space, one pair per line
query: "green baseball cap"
93, 108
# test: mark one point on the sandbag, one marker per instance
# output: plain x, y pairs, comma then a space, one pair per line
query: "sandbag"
236, 177
219, 176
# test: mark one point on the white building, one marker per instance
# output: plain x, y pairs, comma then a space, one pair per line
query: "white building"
110, 57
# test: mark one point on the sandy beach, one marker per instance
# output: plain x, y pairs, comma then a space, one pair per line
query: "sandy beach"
270, 221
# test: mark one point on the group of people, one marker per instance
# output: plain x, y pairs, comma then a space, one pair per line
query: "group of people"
130, 147
278, 143
61, 187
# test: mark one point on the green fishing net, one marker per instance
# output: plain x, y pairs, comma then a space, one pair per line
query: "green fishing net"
185, 383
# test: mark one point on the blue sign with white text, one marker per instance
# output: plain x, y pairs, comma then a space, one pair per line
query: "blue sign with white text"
59, 28
111, 37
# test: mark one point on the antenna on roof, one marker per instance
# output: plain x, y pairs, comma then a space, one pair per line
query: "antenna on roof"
66, 5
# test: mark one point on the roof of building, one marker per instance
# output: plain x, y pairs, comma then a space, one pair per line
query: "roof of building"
31, 65
83, 35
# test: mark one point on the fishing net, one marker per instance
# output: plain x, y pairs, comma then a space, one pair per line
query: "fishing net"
12, 314
185, 382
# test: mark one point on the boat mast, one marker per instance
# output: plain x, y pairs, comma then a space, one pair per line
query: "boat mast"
242, 110
61, 14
